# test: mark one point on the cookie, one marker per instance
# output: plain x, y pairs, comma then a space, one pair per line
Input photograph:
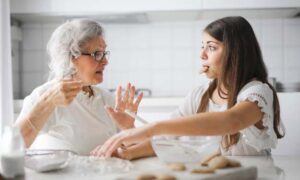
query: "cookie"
165, 177
177, 166
233, 163
146, 177
206, 159
218, 162
203, 170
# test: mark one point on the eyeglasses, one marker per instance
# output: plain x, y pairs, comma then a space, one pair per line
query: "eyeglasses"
98, 55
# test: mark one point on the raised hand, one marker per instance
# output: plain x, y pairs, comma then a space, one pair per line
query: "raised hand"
127, 101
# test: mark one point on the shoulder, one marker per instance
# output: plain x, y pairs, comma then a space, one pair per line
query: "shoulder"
38, 91
199, 90
258, 91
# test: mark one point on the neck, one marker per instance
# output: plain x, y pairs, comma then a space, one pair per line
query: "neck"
88, 90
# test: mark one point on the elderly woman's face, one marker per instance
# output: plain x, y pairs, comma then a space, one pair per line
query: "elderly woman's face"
88, 69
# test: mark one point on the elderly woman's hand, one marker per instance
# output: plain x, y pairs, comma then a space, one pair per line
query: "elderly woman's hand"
64, 92
127, 101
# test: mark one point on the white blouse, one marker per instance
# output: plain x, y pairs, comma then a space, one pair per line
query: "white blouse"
79, 127
253, 141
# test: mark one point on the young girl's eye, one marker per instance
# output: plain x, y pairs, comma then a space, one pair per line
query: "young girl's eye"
212, 48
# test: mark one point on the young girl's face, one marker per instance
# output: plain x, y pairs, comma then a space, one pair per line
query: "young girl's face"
211, 55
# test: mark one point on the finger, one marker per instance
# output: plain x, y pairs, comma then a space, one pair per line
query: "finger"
131, 95
94, 151
72, 85
113, 147
126, 94
138, 99
108, 143
110, 111
118, 96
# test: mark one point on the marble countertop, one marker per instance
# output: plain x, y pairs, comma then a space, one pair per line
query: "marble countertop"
269, 167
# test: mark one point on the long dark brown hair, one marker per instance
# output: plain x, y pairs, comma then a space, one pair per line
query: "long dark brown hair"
241, 63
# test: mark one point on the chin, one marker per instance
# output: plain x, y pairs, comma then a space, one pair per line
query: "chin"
97, 81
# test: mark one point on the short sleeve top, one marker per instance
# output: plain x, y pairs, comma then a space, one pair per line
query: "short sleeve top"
79, 127
253, 141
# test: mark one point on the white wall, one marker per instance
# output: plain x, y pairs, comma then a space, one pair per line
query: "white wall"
163, 56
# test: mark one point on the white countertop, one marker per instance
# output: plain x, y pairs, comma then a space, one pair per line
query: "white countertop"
269, 167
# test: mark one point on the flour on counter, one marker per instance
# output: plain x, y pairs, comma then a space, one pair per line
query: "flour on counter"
84, 165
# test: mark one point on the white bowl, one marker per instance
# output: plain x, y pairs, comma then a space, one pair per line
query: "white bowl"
184, 148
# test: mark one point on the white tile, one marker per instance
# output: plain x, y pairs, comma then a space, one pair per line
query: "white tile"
32, 39
30, 81
140, 37
256, 25
161, 59
273, 57
182, 36
31, 25
161, 81
161, 36
141, 60
33, 61
182, 82
119, 60
272, 34
291, 35
276, 73
141, 79
182, 58
292, 75
46, 34
291, 57
118, 36
118, 78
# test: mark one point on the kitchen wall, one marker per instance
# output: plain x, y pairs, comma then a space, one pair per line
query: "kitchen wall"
161, 56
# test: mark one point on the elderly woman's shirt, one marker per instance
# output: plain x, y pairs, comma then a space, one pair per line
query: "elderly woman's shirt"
79, 127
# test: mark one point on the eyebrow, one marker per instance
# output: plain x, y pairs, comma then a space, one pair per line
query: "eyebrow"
211, 42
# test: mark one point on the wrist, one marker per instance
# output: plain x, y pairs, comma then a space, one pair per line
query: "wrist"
155, 129
47, 99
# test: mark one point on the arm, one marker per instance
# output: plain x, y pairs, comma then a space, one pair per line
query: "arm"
31, 124
210, 123
61, 94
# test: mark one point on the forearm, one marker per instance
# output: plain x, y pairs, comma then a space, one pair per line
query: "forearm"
210, 123
143, 149
31, 124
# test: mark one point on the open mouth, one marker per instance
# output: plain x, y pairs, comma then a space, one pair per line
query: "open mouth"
204, 69
99, 72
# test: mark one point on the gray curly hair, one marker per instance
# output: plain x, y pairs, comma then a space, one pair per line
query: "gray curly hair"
67, 42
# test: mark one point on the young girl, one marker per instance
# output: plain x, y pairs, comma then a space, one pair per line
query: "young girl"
238, 104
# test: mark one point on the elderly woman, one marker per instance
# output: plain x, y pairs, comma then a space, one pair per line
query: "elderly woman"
68, 112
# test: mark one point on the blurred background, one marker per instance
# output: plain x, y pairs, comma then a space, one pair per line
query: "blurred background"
154, 44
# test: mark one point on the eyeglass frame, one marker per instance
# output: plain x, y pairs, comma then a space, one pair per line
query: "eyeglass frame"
93, 54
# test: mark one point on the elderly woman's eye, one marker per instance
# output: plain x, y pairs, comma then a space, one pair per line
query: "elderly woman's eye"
99, 55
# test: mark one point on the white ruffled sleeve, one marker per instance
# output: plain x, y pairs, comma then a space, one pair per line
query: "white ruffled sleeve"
261, 94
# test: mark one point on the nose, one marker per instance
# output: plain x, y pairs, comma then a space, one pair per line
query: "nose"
104, 61
203, 54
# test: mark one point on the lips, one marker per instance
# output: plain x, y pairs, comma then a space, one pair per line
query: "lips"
99, 72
